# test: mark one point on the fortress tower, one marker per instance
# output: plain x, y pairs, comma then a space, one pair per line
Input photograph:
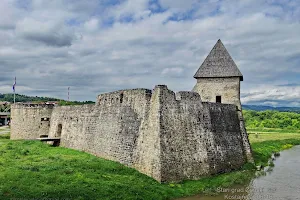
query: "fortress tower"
218, 81
218, 78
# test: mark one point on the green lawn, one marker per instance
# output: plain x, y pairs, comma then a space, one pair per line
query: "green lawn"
31, 169
267, 136
271, 130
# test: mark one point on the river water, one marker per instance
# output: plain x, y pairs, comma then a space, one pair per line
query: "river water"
282, 182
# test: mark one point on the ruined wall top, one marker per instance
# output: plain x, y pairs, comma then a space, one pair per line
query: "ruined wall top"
21, 105
121, 96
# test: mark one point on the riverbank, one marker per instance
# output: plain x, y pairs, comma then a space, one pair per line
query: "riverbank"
31, 169
276, 183
264, 142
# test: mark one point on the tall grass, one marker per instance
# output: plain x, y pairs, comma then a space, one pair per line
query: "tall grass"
262, 151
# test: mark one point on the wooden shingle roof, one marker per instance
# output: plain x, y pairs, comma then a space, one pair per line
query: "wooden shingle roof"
218, 63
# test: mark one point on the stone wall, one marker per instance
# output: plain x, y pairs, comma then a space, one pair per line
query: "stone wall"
183, 147
30, 121
147, 157
188, 139
224, 147
168, 136
197, 139
108, 129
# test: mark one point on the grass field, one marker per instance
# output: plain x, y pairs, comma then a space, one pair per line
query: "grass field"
34, 170
267, 136
271, 130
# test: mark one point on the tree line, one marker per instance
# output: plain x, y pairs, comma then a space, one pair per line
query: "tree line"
25, 98
271, 119
36, 99
72, 103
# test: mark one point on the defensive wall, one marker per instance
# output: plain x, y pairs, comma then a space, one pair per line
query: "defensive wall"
168, 136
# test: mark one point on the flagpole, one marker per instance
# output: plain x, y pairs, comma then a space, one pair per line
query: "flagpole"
14, 87
68, 93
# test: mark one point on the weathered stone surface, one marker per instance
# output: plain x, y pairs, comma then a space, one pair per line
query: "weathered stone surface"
227, 88
30, 121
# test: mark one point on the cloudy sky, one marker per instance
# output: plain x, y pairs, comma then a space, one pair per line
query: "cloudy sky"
97, 46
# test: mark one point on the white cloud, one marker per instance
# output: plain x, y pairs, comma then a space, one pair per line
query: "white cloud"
132, 8
91, 25
97, 47
176, 71
9, 14
274, 94
50, 33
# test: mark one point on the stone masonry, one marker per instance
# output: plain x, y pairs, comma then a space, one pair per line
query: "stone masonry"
168, 136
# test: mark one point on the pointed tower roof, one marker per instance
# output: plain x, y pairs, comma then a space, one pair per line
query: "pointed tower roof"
218, 63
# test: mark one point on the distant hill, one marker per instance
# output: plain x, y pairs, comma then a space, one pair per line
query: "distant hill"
262, 108
25, 98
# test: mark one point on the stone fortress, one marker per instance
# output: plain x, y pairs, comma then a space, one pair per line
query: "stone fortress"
168, 136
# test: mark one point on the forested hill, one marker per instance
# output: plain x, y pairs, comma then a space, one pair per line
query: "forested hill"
262, 108
24, 98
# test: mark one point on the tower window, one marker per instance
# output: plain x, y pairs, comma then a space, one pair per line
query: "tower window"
218, 99
45, 119
121, 97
